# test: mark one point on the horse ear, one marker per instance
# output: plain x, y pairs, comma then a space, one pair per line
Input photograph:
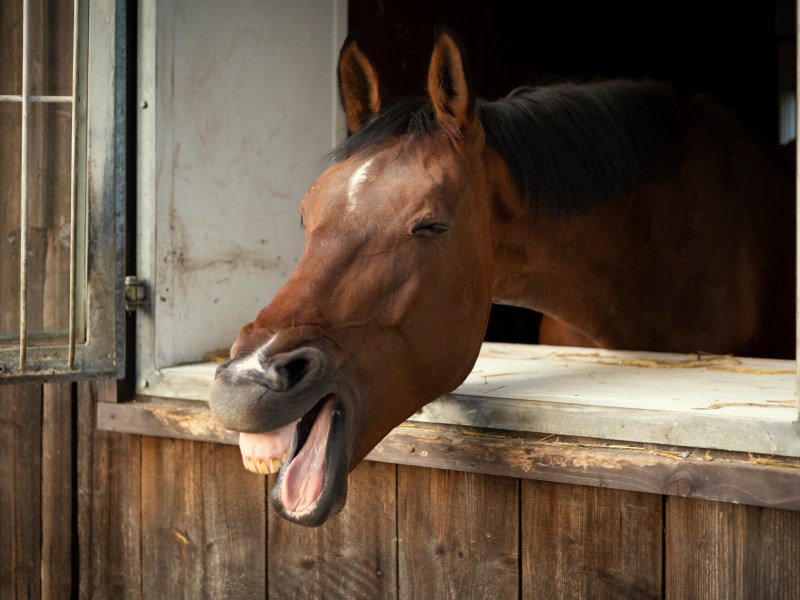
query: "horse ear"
450, 82
360, 89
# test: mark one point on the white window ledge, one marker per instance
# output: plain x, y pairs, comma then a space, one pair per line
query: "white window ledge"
696, 401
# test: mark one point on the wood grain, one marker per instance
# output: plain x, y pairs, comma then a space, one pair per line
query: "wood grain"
588, 542
203, 519
655, 469
109, 502
721, 550
457, 535
20, 491
58, 425
10, 154
352, 556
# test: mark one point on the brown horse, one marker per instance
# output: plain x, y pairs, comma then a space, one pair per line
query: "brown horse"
629, 219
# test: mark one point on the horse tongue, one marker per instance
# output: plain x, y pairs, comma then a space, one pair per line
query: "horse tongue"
304, 476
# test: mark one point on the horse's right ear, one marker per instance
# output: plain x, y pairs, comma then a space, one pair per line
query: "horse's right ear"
360, 88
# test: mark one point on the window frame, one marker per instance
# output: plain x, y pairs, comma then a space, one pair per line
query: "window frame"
98, 212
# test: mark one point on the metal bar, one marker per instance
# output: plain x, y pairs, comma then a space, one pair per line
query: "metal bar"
50, 98
73, 210
18, 98
23, 238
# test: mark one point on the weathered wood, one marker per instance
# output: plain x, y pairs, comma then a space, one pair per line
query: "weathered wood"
204, 522
458, 535
57, 490
760, 481
164, 418
721, 550
352, 556
20, 491
109, 502
588, 542
10, 155
728, 476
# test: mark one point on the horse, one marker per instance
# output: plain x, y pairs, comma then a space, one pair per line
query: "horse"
630, 218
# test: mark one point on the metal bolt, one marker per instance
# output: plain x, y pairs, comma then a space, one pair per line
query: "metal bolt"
142, 103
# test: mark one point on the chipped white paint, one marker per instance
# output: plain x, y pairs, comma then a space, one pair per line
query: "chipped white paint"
357, 179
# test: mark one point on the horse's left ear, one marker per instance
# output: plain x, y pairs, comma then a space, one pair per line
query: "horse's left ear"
360, 89
450, 83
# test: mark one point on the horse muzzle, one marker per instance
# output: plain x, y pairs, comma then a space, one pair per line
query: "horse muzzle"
292, 421
262, 392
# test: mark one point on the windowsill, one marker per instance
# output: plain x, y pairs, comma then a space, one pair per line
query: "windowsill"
721, 429
745, 405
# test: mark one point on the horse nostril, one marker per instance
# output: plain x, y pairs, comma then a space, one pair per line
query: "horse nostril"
283, 375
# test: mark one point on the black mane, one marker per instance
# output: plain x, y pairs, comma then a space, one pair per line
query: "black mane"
569, 147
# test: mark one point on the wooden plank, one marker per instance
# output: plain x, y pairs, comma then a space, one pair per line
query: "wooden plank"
203, 519
235, 526
729, 476
732, 477
10, 158
164, 418
352, 556
588, 542
720, 550
20, 491
58, 425
773, 433
109, 502
457, 535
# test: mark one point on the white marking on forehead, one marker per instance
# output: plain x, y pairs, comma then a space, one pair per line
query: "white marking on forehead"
356, 179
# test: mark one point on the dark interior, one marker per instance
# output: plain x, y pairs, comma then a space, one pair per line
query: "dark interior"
741, 53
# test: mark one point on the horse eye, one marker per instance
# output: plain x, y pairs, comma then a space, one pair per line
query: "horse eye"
302, 225
430, 229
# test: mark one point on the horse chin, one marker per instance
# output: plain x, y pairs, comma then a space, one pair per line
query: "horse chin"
312, 484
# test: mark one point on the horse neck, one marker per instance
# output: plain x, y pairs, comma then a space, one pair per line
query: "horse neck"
574, 268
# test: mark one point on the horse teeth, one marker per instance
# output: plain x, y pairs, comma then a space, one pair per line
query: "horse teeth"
249, 464
265, 466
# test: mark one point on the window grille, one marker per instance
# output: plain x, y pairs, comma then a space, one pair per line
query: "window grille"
63, 196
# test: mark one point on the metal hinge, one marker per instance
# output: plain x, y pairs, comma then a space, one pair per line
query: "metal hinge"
135, 293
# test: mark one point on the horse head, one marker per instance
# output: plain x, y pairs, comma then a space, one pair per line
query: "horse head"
387, 307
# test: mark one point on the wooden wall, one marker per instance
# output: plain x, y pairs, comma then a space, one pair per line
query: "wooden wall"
92, 514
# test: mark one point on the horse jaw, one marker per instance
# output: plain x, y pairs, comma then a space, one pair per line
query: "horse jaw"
312, 469
302, 479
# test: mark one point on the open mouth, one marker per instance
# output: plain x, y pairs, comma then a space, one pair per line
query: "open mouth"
308, 455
